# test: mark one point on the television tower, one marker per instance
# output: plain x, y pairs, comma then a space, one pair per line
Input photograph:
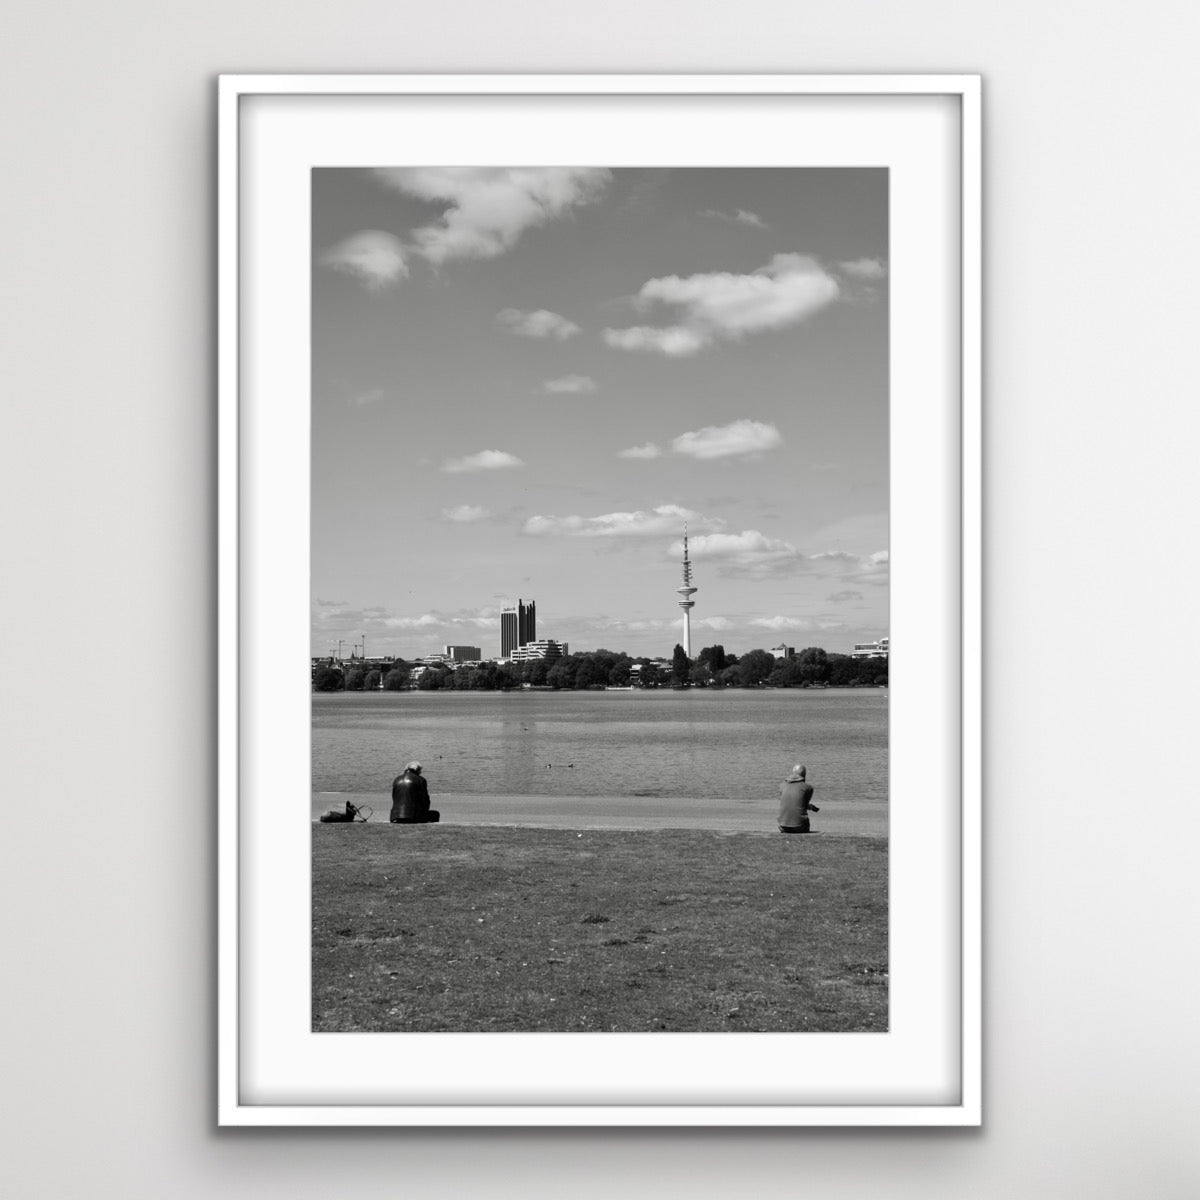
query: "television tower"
687, 603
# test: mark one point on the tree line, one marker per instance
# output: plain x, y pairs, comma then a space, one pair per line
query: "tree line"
712, 667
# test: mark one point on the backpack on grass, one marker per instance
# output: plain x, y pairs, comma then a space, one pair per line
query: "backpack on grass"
352, 813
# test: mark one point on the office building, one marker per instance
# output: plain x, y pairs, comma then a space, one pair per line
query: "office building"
463, 653
518, 627
548, 649
877, 649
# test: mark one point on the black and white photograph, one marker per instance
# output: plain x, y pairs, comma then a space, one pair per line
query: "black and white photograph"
548, 416
600, 599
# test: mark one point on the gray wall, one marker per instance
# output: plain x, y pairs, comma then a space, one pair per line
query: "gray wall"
1091, 1043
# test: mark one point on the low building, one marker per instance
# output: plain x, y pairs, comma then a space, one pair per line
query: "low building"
463, 654
783, 652
547, 649
877, 649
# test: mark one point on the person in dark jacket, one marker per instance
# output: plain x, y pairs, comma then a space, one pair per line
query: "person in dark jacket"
410, 798
795, 802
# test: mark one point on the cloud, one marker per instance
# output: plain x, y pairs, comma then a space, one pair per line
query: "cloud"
487, 209
796, 624
742, 217
424, 621
628, 625
674, 341
465, 512
665, 519
371, 396
376, 259
875, 568
334, 617
381, 627
485, 460
570, 385
864, 268
854, 568
725, 441
724, 306
746, 553
540, 323
739, 217
646, 450
844, 597
483, 618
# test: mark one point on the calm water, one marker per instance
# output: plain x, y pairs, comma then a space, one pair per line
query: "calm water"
726, 743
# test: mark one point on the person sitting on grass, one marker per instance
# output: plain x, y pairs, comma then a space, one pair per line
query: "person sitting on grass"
795, 802
410, 798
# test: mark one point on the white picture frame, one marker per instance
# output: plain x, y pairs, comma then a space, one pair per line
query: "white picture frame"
272, 1070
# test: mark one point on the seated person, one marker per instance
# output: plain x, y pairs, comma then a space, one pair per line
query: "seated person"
410, 798
795, 802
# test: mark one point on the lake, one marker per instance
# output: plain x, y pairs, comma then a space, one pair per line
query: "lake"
711, 744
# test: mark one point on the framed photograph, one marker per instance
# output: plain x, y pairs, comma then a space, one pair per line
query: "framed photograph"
584, 443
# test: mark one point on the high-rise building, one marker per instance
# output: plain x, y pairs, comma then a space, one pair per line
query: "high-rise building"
463, 653
517, 627
687, 592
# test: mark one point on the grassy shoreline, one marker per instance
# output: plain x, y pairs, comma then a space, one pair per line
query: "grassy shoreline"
581, 812
487, 928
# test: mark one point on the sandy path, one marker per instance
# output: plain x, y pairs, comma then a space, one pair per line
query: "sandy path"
867, 819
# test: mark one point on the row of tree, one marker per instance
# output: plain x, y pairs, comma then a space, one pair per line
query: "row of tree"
713, 667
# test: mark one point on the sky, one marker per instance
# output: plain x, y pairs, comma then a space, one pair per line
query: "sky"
526, 381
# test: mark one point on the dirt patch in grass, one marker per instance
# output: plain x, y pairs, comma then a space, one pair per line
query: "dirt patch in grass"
424, 928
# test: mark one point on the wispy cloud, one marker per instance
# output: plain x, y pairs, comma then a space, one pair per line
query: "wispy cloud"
570, 385
370, 396
748, 553
844, 597
646, 450
378, 623
854, 568
796, 624
724, 306
485, 460
374, 258
738, 217
465, 513
487, 209
738, 438
630, 624
675, 341
424, 621
665, 519
864, 268
482, 618
541, 323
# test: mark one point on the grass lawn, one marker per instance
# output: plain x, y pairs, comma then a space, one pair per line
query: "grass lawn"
473, 928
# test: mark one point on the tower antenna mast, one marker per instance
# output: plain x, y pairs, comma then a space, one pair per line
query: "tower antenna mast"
687, 592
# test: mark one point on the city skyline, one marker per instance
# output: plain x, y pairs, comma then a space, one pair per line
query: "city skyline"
526, 382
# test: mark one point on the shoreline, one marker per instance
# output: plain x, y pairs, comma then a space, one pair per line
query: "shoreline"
718, 815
